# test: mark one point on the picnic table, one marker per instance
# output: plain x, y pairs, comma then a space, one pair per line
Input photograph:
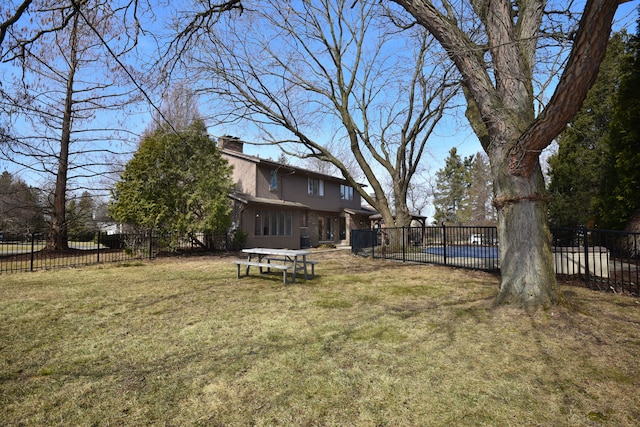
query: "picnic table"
283, 259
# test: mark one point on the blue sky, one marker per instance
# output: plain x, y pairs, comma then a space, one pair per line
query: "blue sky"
454, 131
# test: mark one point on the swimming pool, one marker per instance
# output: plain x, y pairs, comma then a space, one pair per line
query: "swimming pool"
465, 251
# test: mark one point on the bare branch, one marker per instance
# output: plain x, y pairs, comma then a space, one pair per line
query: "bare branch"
320, 71
4, 26
578, 76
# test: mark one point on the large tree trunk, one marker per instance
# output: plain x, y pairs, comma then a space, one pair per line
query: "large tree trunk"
403, 216
57, 240
527, 273
501, 111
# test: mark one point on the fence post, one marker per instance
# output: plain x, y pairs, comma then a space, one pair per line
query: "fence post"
33, 244
98, 252
586, 255
404, 253
444, 243
374, 241
150, 243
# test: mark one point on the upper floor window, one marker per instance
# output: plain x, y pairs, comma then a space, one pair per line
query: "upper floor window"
316, 187
346, 192
273, 180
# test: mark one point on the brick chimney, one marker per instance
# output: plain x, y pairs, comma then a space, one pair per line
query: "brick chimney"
232, 143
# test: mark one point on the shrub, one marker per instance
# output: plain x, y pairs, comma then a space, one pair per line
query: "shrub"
112, 241
238, 241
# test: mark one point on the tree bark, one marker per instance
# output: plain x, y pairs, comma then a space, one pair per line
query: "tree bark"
526, 263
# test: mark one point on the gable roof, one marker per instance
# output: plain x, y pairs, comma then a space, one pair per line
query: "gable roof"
283, 166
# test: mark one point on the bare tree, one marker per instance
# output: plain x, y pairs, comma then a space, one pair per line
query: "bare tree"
26, 22
499, 47
340, 151
60, 82
11, 17
178, 111
297, 69
418, 194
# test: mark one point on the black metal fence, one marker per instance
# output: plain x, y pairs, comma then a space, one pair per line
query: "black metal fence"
27, 253
603, 259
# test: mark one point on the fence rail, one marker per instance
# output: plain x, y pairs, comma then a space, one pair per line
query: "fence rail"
28, 253
603, 259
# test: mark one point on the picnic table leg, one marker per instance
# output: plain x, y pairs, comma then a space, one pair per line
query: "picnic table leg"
248, 266
304, 261
260, 257
295, 268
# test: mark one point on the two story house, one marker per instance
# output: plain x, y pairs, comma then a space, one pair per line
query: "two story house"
283, 206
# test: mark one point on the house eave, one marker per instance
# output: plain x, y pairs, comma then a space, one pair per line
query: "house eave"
248, 199
366, 212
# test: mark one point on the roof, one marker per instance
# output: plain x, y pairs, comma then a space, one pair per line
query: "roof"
377, 215
363, 211
246, 198
272, 163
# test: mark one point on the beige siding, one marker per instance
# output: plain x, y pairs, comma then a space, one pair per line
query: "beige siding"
263, 184
244, 175
294, 187
253, 240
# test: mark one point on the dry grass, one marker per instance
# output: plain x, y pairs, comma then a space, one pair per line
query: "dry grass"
372, 343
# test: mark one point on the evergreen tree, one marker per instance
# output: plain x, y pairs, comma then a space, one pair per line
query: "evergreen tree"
80, 216
20, 210
175, 182
463, 191
620, 201
577, 169
480, 191
450, 197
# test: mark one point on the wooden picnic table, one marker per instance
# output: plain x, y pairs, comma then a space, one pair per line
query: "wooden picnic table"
283, 259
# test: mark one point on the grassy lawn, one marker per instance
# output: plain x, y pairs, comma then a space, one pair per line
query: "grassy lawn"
15, 248
368, 343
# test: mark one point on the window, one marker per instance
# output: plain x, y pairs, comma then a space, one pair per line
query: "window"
274, 223
316, 187
346, 192
273, 180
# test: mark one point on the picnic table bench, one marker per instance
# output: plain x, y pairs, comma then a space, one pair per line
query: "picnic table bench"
262, 265
285, 260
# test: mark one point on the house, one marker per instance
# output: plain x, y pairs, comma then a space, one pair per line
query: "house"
283, 206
